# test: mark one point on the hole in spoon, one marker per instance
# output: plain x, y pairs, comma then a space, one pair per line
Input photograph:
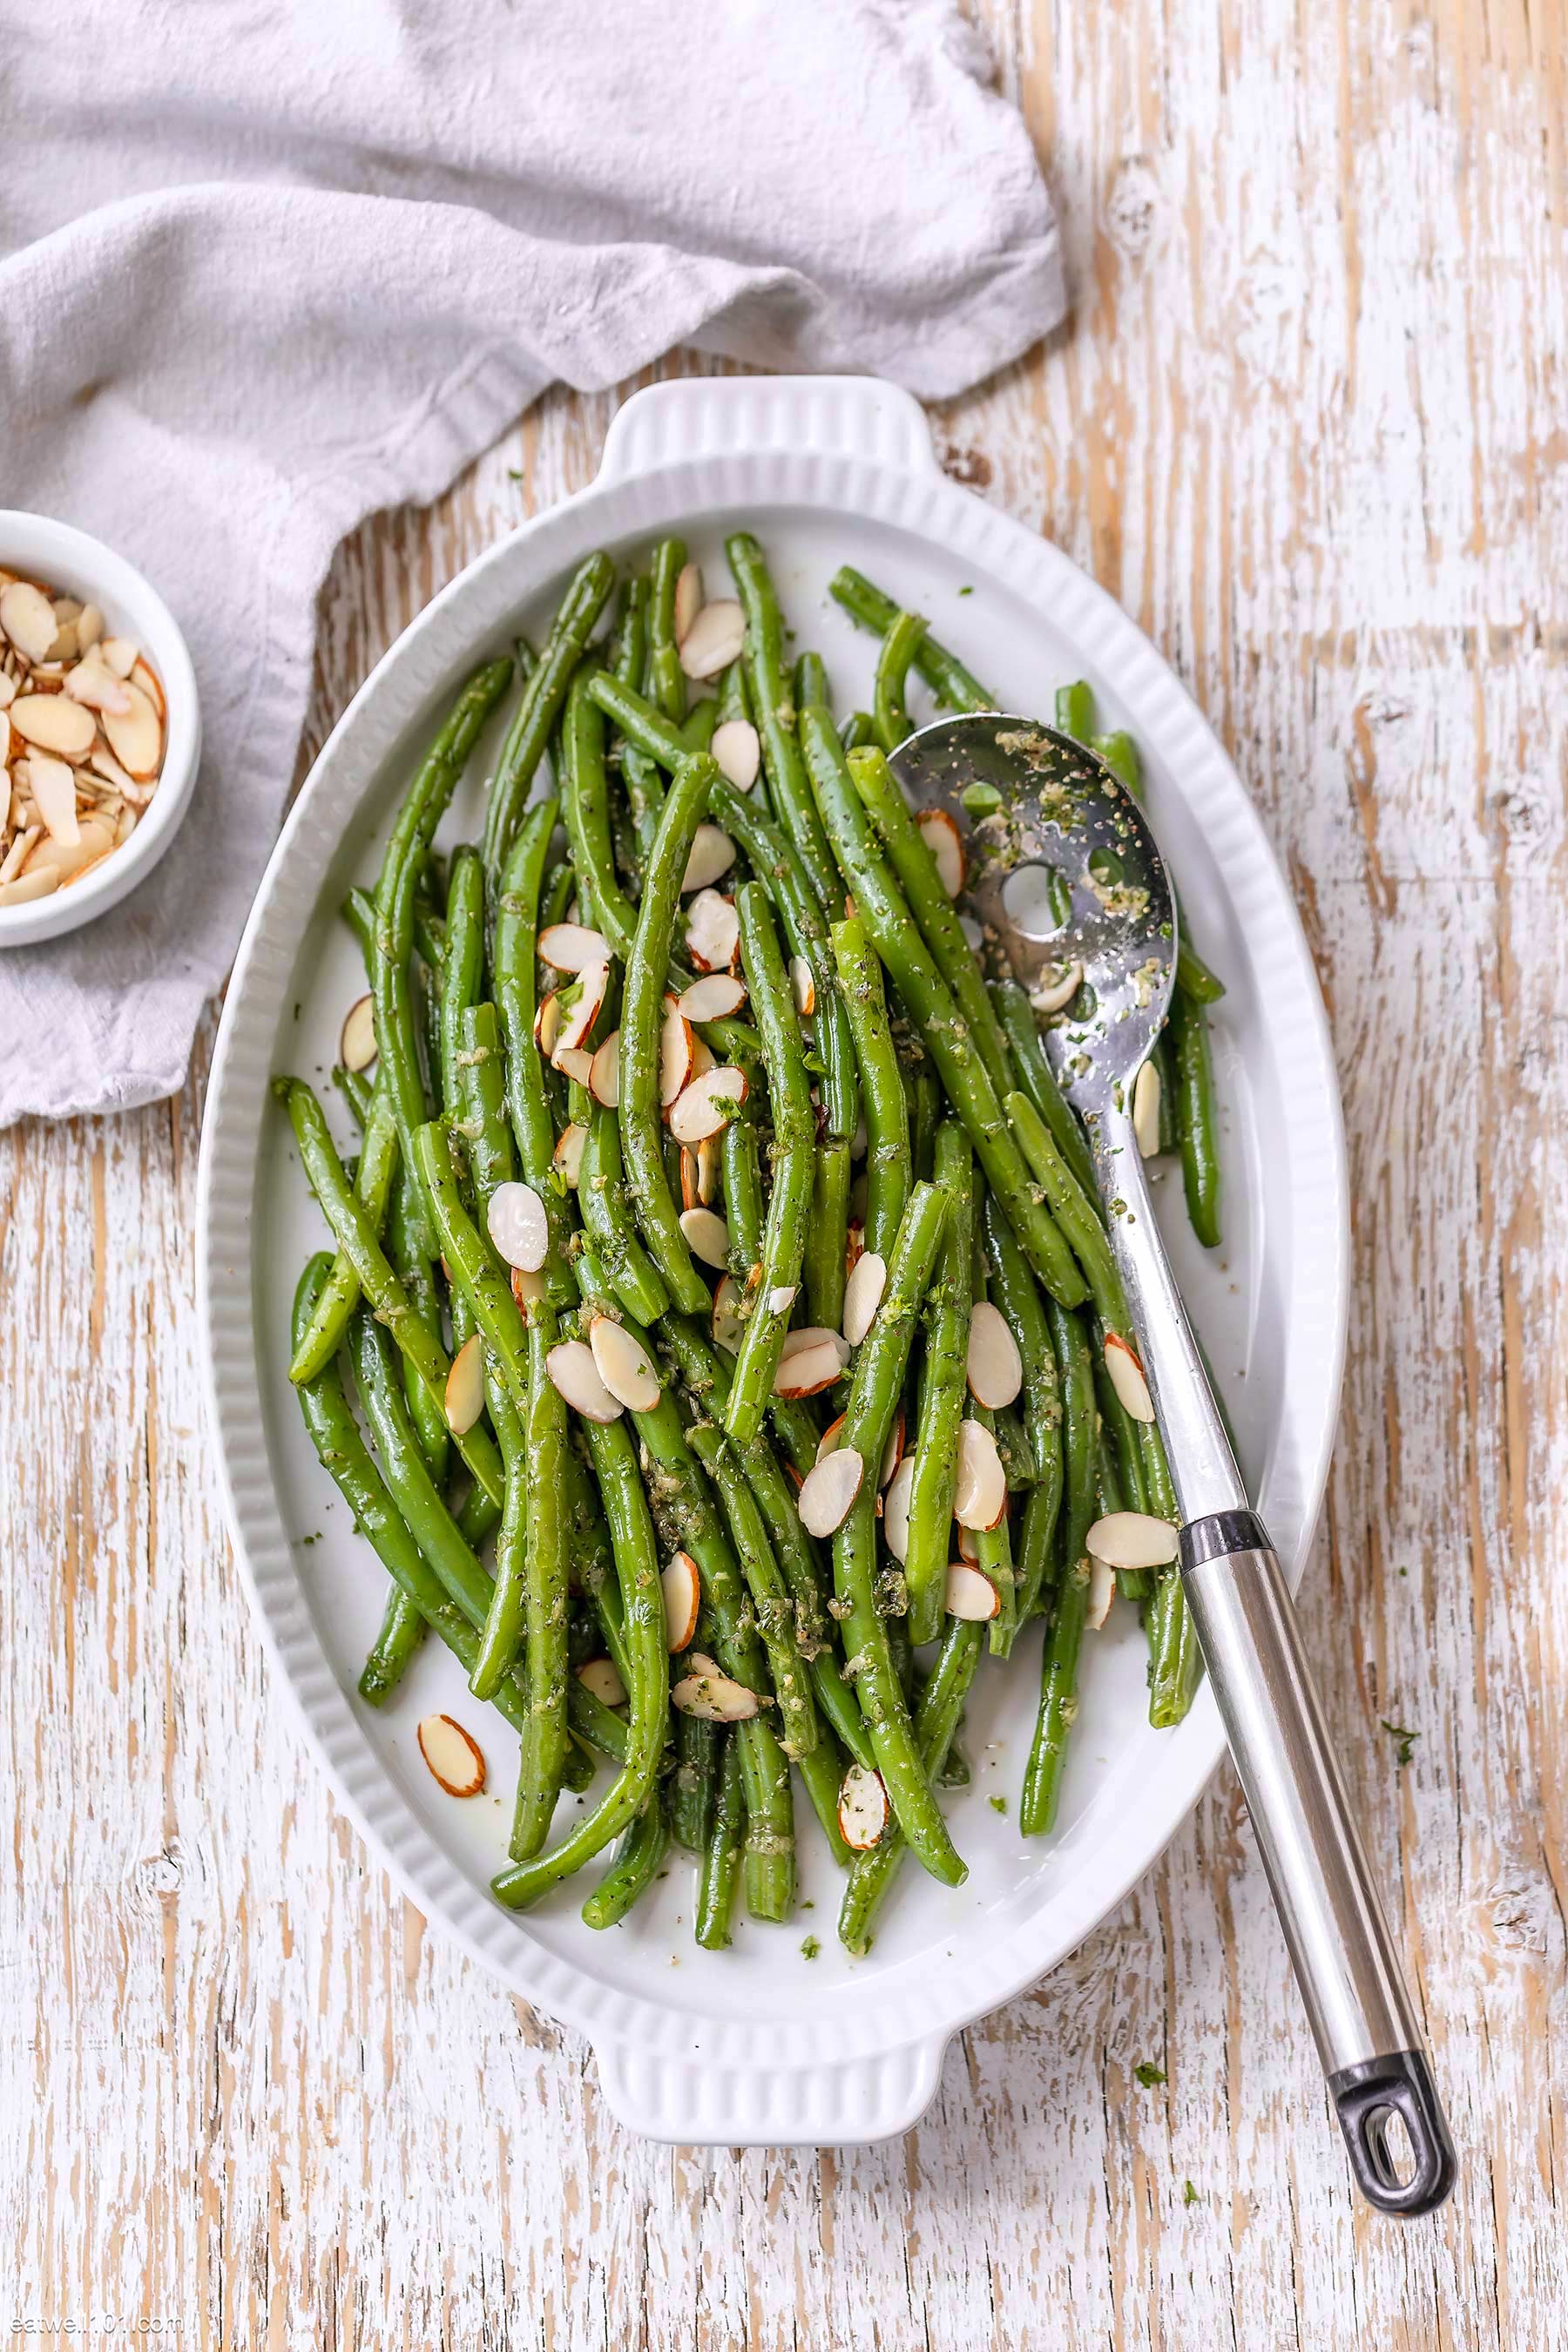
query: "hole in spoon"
1036, 900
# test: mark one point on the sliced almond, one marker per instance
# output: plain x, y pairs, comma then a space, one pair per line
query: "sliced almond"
6, 742
94, 841
65, 610
29, 619
1058, 984
714, 997
88, 627
624, 1364
683, 1599
712, 931
714, 640
1132, 1539
943, 838
808, 1371
688, 1198
896, 1510
829, 1442
1102, 1592
738, 748
466, 1386
568, 1153
572, 947
53, 787
125, 827
862, 1809
709, 1161
94, 685
526, 1289
817, 1335
971, 1595
547, 1019
995, 1368
456, 1760
729, 1327
600, 1678
574, 1372
55, 723
828, 1490
102, 762
803, 985
782, 1298
519, 1226
23, 844
853, 1246
708, 1105
143, 677
65, 647
1146, 1111
702, 1058
7, 689
863, 1295
27, 887
714, 1698
120, 655
893, 1452
1127, 1378
707, 1236
578, 1019
605, 1071
713, 853
687, 600
356, 1040
674, 1045
574, 1062
968, 1549
980, 1491
136, 736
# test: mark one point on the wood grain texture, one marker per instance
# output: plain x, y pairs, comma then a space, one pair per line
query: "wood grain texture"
1308, 425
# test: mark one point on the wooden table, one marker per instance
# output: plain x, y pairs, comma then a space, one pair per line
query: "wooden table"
1311, 425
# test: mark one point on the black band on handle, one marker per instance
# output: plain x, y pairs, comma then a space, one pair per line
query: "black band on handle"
1222, 1532
1366, 2097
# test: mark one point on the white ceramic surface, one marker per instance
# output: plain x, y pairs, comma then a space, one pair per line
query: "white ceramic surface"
759, 2044
74, 564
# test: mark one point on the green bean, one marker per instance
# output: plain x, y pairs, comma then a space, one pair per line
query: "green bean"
1174, 1662
476, 1270
392, 1651
721, 1874
1075, 711
481, 1081
1013, 1290
900, 646
873, 1398
340, 1292
1194, 977
1059, 1671
734, 695
772, 1606
1194, 980
416, 1274
695, 1782
825, 1268
585, 814
795, 1138
462, 971
601, 1200
1188, 1030
953, 685
742, 1177
992, 1545
930, 1003
644, 791
540, 707
1074, 1211
1122, 1435
1119, 754
810, 680
642, 723
881, 1088
379, 1285
937, 1717
943, 1385
858, 730
633, 1871
916, 871
505, 1617
666, 676
1038, 1081
1166, 1071
925, 1117
641, 1019
775, 715
545, 1614
699, 729
512, 952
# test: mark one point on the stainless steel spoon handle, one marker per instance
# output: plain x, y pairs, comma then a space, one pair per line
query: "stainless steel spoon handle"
1366, 2028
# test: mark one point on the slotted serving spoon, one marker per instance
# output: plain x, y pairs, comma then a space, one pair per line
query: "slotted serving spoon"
1064, 871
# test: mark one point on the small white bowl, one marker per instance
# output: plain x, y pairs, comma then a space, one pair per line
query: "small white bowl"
73, 564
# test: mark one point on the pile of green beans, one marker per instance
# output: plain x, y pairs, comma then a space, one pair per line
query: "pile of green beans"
897, 1105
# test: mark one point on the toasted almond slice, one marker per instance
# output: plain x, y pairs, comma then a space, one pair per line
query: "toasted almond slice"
728, 1325
136, 738
623, 1364
896, 1510
55, 724
1146, 1111
1102, 1592
572, 1369
527, 1288
708, 1104
707, 1236
828, 1490
120, 655
862, 1809
7, 689
738, 748
714, 640
102, 762
578, 1019
714, 1698
700, 1662
968, 1549
709, 1163
1131, 1540
995, 1368
943, 838
1060, 983
519, 1226
893, 1452
568, 1153
574, 1062
125, 827
22, 848
27, 887
687, 600
683, 1599
714, 997
94, 685
53, 787
466, 1386
702, 1058
853, 1246
65, 648
817, 1335
605, 1071
808, 1373
455, 1759
143, 675
1127, 1378
29, 619
600, 1678
803, 985
829, 1442
675, 1043
980, 1491
6, 742
572, 947
356, 1040
547, 1018
65, 610
88, 627
712, 931
969, 1595
713, 853
782, 1298
863, 1295
688, 1198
